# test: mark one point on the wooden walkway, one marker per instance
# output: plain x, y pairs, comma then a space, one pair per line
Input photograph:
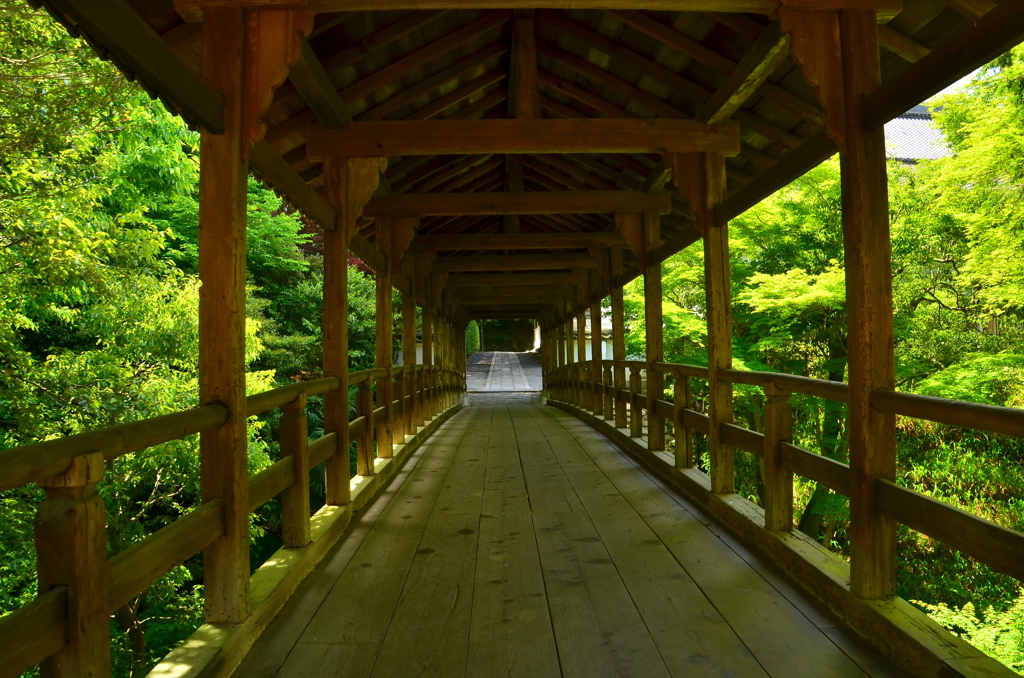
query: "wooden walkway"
504, 371
519, 542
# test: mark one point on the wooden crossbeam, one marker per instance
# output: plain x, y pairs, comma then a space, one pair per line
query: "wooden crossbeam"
317, 90
515, 241
478, 279
488, 291
134, 46
537, 202
515, 262
467, 137
753, 70
192, 9
474, 302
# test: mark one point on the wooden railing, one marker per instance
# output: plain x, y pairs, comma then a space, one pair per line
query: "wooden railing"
80, 587
601, 388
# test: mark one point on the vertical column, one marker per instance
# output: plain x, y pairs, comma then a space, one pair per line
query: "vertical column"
335, 331
618, 334
654, 330
71, 543
597, 396
385, 340
869, 311
409, 352
222, 204
700, 177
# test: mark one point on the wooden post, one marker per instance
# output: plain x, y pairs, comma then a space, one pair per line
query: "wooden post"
71, 546
869, 312
700, 177
684, 437
409, 355
294, 437
223, 175
838, 53
635, 415
597, 394
385, 340
654, 327
364, 408
778, 480
618, 334
609, 403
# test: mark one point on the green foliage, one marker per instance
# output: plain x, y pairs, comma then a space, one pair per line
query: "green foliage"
506, 335
472, 337
998, 633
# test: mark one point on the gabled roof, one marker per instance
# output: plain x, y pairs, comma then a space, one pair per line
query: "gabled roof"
912, 137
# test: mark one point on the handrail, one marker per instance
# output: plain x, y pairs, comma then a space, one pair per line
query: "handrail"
977, 416
987, 542
41, 627
31, 463
821, 388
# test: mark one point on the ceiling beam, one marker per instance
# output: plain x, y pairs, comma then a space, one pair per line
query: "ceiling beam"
515, 241
192, 9
317, 90
513, 262
477, 279
771, 49
511, 290
534, 202
467, 137
137, 49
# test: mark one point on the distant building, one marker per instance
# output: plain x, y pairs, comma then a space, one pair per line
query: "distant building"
911, 137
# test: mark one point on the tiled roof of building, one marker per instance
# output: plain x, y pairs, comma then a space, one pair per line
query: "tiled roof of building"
912, 137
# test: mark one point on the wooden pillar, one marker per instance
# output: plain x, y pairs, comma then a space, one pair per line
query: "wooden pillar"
869, 312
385, 339
222, 216
71, 543
838, 53
654, 330
597, 396
409, 355
335, 348
700, 178
618, 334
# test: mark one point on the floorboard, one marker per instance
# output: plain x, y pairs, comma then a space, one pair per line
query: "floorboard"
519, 542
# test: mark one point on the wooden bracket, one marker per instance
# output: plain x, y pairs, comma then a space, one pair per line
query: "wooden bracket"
815, 47
349, 184
632, 229
272, 45
403, 230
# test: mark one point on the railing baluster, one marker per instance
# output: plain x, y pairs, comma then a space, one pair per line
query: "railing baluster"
364, 408
71, 547
778, 479
294, 432
635, 423
684, 436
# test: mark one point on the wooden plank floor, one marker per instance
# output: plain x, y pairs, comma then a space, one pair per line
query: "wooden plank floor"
520, 542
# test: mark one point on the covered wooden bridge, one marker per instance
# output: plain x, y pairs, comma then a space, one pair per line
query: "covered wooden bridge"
496, 159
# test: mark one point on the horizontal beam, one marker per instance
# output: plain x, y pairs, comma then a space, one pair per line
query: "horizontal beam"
472, 137
476, 302
488, 291
518, 262
515, 241
476, 279
532, 202
192, 9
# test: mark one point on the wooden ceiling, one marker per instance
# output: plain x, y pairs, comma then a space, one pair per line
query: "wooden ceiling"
461, 64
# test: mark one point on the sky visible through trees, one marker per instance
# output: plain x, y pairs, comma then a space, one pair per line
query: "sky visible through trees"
99, 295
